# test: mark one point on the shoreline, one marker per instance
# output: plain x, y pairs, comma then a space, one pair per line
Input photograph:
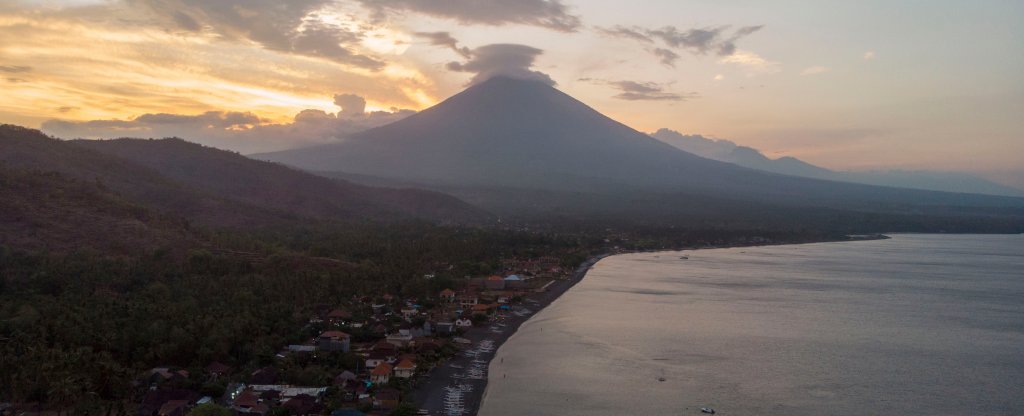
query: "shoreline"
430, 396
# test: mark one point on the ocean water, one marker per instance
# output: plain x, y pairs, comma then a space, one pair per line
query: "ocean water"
915, 325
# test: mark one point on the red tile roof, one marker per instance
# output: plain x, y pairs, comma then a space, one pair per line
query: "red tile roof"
247, 398
170, 407
384, 369
334, 334
406, 364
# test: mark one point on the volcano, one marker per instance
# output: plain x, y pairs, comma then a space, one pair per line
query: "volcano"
507, 133
514, 133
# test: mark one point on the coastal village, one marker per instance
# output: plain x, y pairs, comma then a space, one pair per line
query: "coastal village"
371, 355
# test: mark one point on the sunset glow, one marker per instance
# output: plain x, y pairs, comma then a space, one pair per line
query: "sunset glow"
782, 79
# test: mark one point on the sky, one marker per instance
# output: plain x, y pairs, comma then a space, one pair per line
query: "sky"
913, 84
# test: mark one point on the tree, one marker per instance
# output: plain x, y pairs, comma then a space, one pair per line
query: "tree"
210, 409
404, 409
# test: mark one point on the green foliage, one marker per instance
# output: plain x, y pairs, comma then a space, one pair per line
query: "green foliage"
213, 389
405, 409
85, 324
210, 409
478, 318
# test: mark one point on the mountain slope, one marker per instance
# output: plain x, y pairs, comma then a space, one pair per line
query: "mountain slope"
727, 151
53, 213
270, 185
219, 188
27, 149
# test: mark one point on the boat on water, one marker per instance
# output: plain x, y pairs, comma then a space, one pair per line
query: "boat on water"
707, 410
683, 258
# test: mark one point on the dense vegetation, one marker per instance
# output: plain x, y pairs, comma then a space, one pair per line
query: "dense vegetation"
96, 321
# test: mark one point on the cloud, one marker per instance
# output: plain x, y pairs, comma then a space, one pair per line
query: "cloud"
815, 70
509, 60
445, 39
752, 61
15, 69
667, 57
240, 131
295, 26
551, 14
626, 33
644, 91
351, 105
869, 55
717, 149
700, 41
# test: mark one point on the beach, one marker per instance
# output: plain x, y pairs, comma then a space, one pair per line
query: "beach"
463, 379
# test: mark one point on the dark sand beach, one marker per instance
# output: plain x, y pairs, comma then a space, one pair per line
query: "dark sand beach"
460, 383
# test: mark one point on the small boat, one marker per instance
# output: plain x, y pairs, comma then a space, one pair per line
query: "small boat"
683, 258
707, 410
661, 378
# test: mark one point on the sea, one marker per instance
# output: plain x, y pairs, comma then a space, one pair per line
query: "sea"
919, 324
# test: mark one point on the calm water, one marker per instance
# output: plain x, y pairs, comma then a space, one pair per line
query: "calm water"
916, 325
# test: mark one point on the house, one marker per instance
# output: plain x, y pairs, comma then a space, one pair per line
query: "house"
340, 379
280, 393
405, 369
445, 328
514, 281
352, 390
386, 398
334, 341
482, 308
409, 313
464, 323
448, 296
495, 283
154, 400
248, 401
160, 374
338, 316
386, 347
468, 300
303, 405
216, 370
302, 349
174, 408
400, 339
377, 358
381, 374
